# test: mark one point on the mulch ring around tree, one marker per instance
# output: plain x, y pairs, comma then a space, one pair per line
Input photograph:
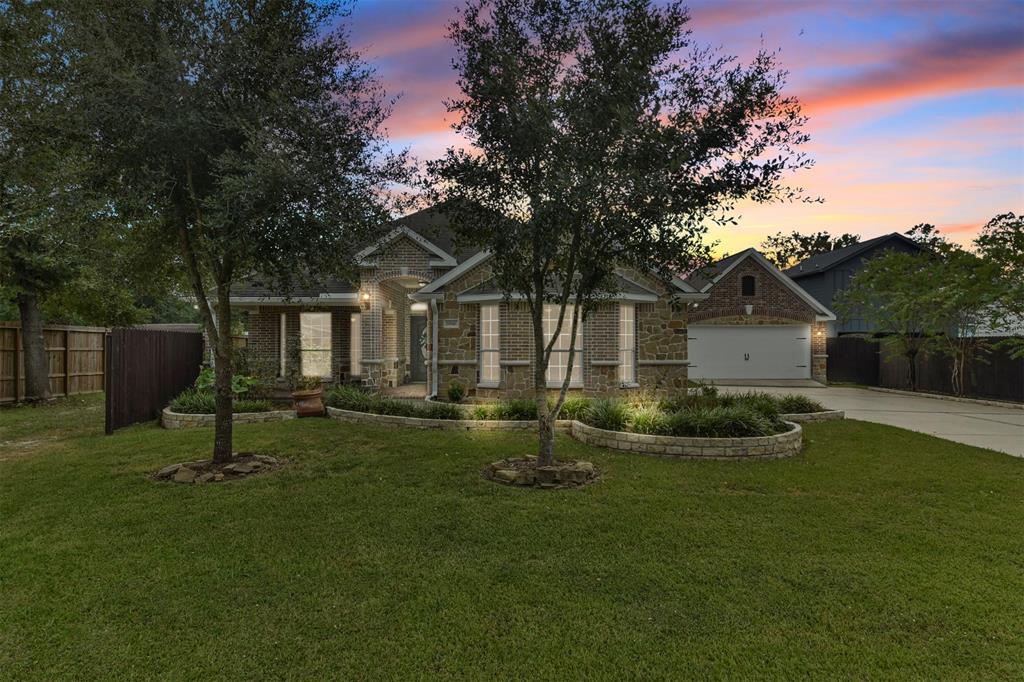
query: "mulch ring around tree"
524, 472
241, 465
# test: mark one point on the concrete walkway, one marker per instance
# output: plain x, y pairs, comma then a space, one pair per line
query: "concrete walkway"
986, 426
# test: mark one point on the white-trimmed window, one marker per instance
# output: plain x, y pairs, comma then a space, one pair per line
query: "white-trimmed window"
282, 344
315, 344
559, 360
627, 344
355, 346
490, 345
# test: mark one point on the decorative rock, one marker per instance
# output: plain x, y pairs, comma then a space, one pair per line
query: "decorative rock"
266, 459
204, 478
218, 476
184, 475
505, 475
168, 471
240, 468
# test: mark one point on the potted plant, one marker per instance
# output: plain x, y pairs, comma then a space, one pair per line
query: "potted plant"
307, 392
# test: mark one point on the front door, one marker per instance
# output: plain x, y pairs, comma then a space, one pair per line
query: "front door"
417, 348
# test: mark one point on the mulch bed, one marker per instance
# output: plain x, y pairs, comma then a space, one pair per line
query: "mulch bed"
525, 473
241, 465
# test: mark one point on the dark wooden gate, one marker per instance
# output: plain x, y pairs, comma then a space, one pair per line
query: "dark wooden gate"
145, 369
853, 359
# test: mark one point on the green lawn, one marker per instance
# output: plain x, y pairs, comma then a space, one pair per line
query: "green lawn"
381, 553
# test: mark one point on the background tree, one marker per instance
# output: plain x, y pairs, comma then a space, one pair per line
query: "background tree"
788, 249
246, 135
964, 292
1002, 242
891, 293
599, 144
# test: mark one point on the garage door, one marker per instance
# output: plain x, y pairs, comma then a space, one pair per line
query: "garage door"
749, 352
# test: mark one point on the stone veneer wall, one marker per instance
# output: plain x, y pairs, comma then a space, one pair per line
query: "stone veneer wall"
768, 447
178, 420
660, 339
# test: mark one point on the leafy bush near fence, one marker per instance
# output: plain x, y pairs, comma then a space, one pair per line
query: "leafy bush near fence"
198, 401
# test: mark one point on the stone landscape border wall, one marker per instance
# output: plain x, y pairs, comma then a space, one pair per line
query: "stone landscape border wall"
179, 420
766, 447
804, 417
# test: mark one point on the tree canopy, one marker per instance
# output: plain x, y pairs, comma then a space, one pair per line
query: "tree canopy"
602, 137
245, 138
788, 249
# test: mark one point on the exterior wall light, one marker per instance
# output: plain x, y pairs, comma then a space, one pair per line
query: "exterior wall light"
365, 296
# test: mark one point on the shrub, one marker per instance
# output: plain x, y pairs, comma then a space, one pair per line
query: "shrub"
456, 392
764, 403
648, 419
575, 407
798, 404
249, 405
608, 413
736, 421
482, 412
515, 409
349, 397
240, 383
390, 406
196, 401
440, 411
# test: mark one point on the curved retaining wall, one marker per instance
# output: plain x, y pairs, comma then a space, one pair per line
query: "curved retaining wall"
766, 447
563, 425
178, 420
826, 416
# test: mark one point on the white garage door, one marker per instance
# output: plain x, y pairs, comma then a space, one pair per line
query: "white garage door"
749, 352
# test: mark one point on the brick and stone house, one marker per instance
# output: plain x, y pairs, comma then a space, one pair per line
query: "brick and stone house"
426, 312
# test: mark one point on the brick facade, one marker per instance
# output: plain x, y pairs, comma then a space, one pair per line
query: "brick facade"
394, 271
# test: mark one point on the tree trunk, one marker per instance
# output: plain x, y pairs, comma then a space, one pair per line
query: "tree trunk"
545, 421
223, 351
37, 380
912, 370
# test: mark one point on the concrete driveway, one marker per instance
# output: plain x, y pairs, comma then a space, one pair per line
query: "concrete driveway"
986, 426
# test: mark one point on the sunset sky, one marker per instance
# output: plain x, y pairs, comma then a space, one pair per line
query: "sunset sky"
917, 108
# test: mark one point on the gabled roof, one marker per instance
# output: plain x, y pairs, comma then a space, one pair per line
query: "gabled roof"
626, 290
442, 257
708, 276
824, 261
256, 290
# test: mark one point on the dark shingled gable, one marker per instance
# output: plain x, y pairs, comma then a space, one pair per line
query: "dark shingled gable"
824, 261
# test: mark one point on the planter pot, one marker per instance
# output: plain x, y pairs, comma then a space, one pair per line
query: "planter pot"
309, 403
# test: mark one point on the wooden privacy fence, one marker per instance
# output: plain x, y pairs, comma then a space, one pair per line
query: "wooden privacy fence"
74, 357
993, 375
145, 369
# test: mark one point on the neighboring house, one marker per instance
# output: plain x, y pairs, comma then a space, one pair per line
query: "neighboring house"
826, 275
425, 311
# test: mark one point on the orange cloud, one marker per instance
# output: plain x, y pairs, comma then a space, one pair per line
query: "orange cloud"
951, 63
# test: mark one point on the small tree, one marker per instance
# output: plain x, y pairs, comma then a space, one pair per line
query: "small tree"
1002, 242
787, 249
965, 293
247, 134
893, 294
600, 144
